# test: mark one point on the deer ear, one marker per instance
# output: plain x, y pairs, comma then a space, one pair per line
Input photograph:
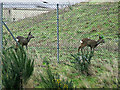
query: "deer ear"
29, 33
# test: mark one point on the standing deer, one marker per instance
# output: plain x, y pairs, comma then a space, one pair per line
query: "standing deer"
90, 43
24, 41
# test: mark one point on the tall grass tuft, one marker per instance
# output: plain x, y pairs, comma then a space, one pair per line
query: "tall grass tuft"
54, 81
82, 60
17, 68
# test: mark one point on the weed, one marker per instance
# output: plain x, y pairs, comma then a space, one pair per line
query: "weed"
17, 68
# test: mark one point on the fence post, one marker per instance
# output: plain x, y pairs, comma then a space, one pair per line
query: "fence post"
1, 31
58, 33
10, 32
118, 58
118, 45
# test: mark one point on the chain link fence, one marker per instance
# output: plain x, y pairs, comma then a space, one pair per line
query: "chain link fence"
76, 22
34, 19
58, 32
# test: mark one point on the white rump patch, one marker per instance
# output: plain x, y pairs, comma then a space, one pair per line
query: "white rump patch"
81, 41
17, 39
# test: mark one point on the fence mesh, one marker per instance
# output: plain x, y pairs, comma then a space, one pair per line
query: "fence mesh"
78, 21
75, 22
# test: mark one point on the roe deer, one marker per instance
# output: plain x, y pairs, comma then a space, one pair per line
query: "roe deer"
24, 41
90, 43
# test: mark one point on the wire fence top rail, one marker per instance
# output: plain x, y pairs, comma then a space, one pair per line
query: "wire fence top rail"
33, 5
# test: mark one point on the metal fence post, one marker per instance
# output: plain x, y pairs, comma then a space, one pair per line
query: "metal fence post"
118, 58
1, 31
58, 33
10, 32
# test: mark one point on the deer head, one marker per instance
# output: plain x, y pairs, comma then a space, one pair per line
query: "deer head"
29, 36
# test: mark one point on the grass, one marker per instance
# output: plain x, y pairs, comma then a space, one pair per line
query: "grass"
84, 20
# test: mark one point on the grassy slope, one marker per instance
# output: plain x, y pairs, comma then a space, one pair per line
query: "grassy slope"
84, 20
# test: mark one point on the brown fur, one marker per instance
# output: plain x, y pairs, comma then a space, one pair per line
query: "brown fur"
90, 43
24, 41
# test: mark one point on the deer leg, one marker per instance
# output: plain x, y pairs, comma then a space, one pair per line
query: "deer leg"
91, 49
82, 50
16, 46
79, 49
26, 47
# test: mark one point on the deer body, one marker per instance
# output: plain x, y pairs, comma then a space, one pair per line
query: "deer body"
90, 43
24, 41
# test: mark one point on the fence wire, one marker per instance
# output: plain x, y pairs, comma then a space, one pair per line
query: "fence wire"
75, 23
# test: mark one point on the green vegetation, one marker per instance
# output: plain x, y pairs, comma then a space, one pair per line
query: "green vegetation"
83, 20
17, 68
53, 80
82, 61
